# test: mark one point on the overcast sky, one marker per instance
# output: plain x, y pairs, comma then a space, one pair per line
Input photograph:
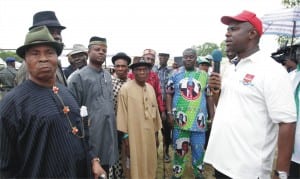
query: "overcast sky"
132, 25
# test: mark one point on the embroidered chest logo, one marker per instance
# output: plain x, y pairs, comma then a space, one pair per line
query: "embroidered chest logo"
248, 79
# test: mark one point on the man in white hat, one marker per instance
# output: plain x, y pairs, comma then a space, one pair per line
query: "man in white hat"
77, 59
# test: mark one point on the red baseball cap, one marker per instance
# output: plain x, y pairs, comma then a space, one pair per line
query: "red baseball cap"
245, 16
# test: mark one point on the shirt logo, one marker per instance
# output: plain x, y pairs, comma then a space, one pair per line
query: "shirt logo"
190, 89
248, 79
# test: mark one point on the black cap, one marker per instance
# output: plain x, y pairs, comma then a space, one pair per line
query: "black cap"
141, 62
164, 55
46, 18
121, 55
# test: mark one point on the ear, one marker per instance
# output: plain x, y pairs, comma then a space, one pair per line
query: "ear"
253, 34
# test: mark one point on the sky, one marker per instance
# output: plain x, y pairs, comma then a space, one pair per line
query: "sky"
131, 26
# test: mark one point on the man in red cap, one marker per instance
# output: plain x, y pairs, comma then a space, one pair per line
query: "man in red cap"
255, 108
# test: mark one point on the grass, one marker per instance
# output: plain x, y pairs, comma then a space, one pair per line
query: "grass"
167, 172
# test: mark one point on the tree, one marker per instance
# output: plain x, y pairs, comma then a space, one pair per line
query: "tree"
290, 3
208, 47
4, 54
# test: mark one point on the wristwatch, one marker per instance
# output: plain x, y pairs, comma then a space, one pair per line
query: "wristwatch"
281, 174
169, 112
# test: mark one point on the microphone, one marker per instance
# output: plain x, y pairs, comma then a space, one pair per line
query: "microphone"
217, 58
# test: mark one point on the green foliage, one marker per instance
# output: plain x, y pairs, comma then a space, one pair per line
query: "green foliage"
223, 48
290, 3
4, 54
208, 47
282, 41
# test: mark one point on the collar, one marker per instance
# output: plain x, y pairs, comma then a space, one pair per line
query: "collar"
254, 57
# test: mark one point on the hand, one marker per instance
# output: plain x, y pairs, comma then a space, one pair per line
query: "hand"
171, 121
209, 123
97, 169
163, 116
126, 145
214, 82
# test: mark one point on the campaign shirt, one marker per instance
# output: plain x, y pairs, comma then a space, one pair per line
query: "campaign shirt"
189, 102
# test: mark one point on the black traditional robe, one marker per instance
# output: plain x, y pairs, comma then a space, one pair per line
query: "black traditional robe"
36, 138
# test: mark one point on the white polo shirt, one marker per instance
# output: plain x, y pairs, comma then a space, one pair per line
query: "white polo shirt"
256, 95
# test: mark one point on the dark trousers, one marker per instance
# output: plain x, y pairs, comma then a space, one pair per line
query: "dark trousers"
294, 170
207, 135
166, 131
220, 175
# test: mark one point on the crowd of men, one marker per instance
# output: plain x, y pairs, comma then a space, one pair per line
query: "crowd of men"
85, 121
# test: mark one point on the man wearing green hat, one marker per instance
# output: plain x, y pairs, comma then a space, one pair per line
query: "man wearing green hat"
48, 19
41, 130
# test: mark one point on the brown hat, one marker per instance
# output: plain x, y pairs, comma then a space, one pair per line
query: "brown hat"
39, 36
47, 18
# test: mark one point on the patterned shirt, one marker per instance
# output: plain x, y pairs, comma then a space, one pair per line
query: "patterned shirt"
36, 139
189, 101
117, 84
163, 75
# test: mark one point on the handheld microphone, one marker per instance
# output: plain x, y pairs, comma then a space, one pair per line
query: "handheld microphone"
217, 58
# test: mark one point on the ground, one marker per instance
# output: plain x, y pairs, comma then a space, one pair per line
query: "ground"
167, 173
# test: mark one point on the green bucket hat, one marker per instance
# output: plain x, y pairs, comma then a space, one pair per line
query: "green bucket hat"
39, 36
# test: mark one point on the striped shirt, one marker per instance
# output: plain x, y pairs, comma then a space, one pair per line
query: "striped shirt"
35, 136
